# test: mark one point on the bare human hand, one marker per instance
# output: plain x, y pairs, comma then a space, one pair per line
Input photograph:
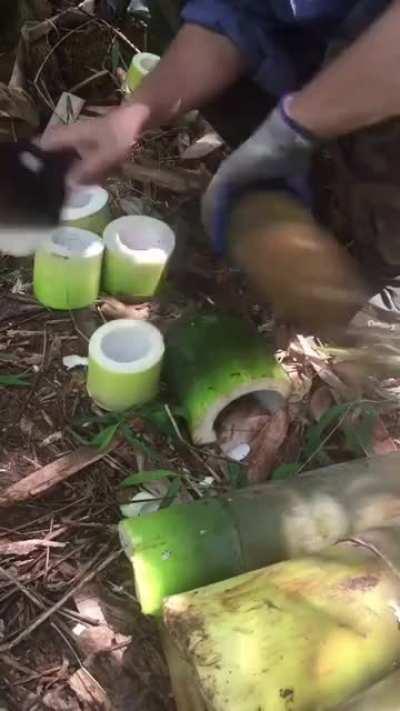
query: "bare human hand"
101, 143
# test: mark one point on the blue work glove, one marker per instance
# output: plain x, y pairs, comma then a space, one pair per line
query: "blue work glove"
276, 156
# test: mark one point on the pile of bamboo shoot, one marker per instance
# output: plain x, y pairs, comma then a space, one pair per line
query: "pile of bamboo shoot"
281, 597
190, 545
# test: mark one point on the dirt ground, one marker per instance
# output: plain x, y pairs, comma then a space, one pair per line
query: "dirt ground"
73, 529
71, 632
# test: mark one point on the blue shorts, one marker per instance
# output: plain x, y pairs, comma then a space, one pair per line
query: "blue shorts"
284, 41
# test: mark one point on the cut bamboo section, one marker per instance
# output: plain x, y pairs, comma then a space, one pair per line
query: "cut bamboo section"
188, 546
213, 359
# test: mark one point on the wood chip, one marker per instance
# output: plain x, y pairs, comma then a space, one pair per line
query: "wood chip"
26, 547
44, 479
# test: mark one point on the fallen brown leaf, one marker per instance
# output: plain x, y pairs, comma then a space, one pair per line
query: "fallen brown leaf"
241, 422
382, 443
17, 109
113, 308
322, 368
321, 401
88, 691
265, 447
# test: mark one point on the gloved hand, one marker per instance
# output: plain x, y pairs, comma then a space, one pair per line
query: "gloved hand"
277, 153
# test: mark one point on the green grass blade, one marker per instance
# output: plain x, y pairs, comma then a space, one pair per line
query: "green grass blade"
148, 476
13, 381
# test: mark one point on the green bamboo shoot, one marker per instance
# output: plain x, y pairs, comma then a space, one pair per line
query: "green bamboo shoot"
214, 359
191, 545
302, 635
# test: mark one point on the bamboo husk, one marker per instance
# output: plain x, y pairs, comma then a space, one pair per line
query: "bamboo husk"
302, 635
293, 263
188, 546
186, 692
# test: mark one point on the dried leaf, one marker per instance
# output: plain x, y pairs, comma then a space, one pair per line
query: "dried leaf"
205, 145
240, 424
112, 308
321, 401
352, 372
382, 443
17, 107
88, 691
322, 368
266, 446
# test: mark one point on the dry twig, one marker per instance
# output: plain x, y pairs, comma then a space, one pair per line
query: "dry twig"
87, 575
40, 481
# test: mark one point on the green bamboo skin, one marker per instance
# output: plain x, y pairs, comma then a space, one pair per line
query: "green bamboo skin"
137, 250
141, 65
125, 359
257, 526
127, 280
117, 392
70, 281
160, 557
213, 359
